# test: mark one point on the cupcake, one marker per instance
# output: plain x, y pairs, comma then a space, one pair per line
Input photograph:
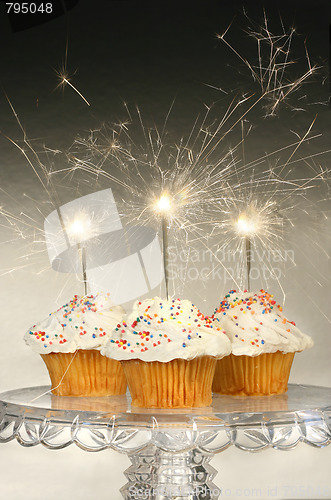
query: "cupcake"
69, 342
263, 342
168, 350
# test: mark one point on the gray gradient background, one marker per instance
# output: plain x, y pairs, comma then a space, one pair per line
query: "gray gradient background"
146, 55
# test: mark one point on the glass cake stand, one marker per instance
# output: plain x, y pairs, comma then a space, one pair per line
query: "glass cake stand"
170, 450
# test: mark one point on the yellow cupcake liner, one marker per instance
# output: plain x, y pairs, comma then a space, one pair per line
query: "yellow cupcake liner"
178, 383
266, 373
84, 373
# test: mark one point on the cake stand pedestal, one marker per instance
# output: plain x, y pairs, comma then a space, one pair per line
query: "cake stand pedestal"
170, 450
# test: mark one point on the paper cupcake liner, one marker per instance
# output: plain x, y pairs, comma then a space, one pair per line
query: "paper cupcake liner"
179, 383
267, 373
89, 374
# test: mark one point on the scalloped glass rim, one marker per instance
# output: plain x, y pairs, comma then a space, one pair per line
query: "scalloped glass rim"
95, 424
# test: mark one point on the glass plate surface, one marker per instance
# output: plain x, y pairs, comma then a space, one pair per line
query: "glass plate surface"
33, 415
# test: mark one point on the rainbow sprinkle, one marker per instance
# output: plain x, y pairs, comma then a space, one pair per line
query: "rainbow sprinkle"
76, 308
140, 327
234, 300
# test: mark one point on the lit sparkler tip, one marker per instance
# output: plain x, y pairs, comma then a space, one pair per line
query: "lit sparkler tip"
76, 227
247, 224
79, 227
163, 205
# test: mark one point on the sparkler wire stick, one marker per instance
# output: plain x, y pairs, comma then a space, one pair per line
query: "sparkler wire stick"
163, 207
247, 238
248, 261
165, 246
82, 253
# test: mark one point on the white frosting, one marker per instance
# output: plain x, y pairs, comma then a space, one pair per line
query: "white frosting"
83, 323
255, 324
162, 330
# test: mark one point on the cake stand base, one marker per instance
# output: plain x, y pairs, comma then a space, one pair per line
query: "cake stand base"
160, 475
170, 450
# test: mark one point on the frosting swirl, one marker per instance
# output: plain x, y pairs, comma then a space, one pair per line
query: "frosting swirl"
83, 323
162, 330
255, 324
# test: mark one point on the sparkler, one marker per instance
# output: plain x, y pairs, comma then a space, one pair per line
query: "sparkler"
259, 212
79, 229
246, 226
165, 186
164, 207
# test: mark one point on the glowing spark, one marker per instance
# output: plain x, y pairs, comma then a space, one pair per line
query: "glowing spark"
65, 80
79, 228
163, 204
246, 225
